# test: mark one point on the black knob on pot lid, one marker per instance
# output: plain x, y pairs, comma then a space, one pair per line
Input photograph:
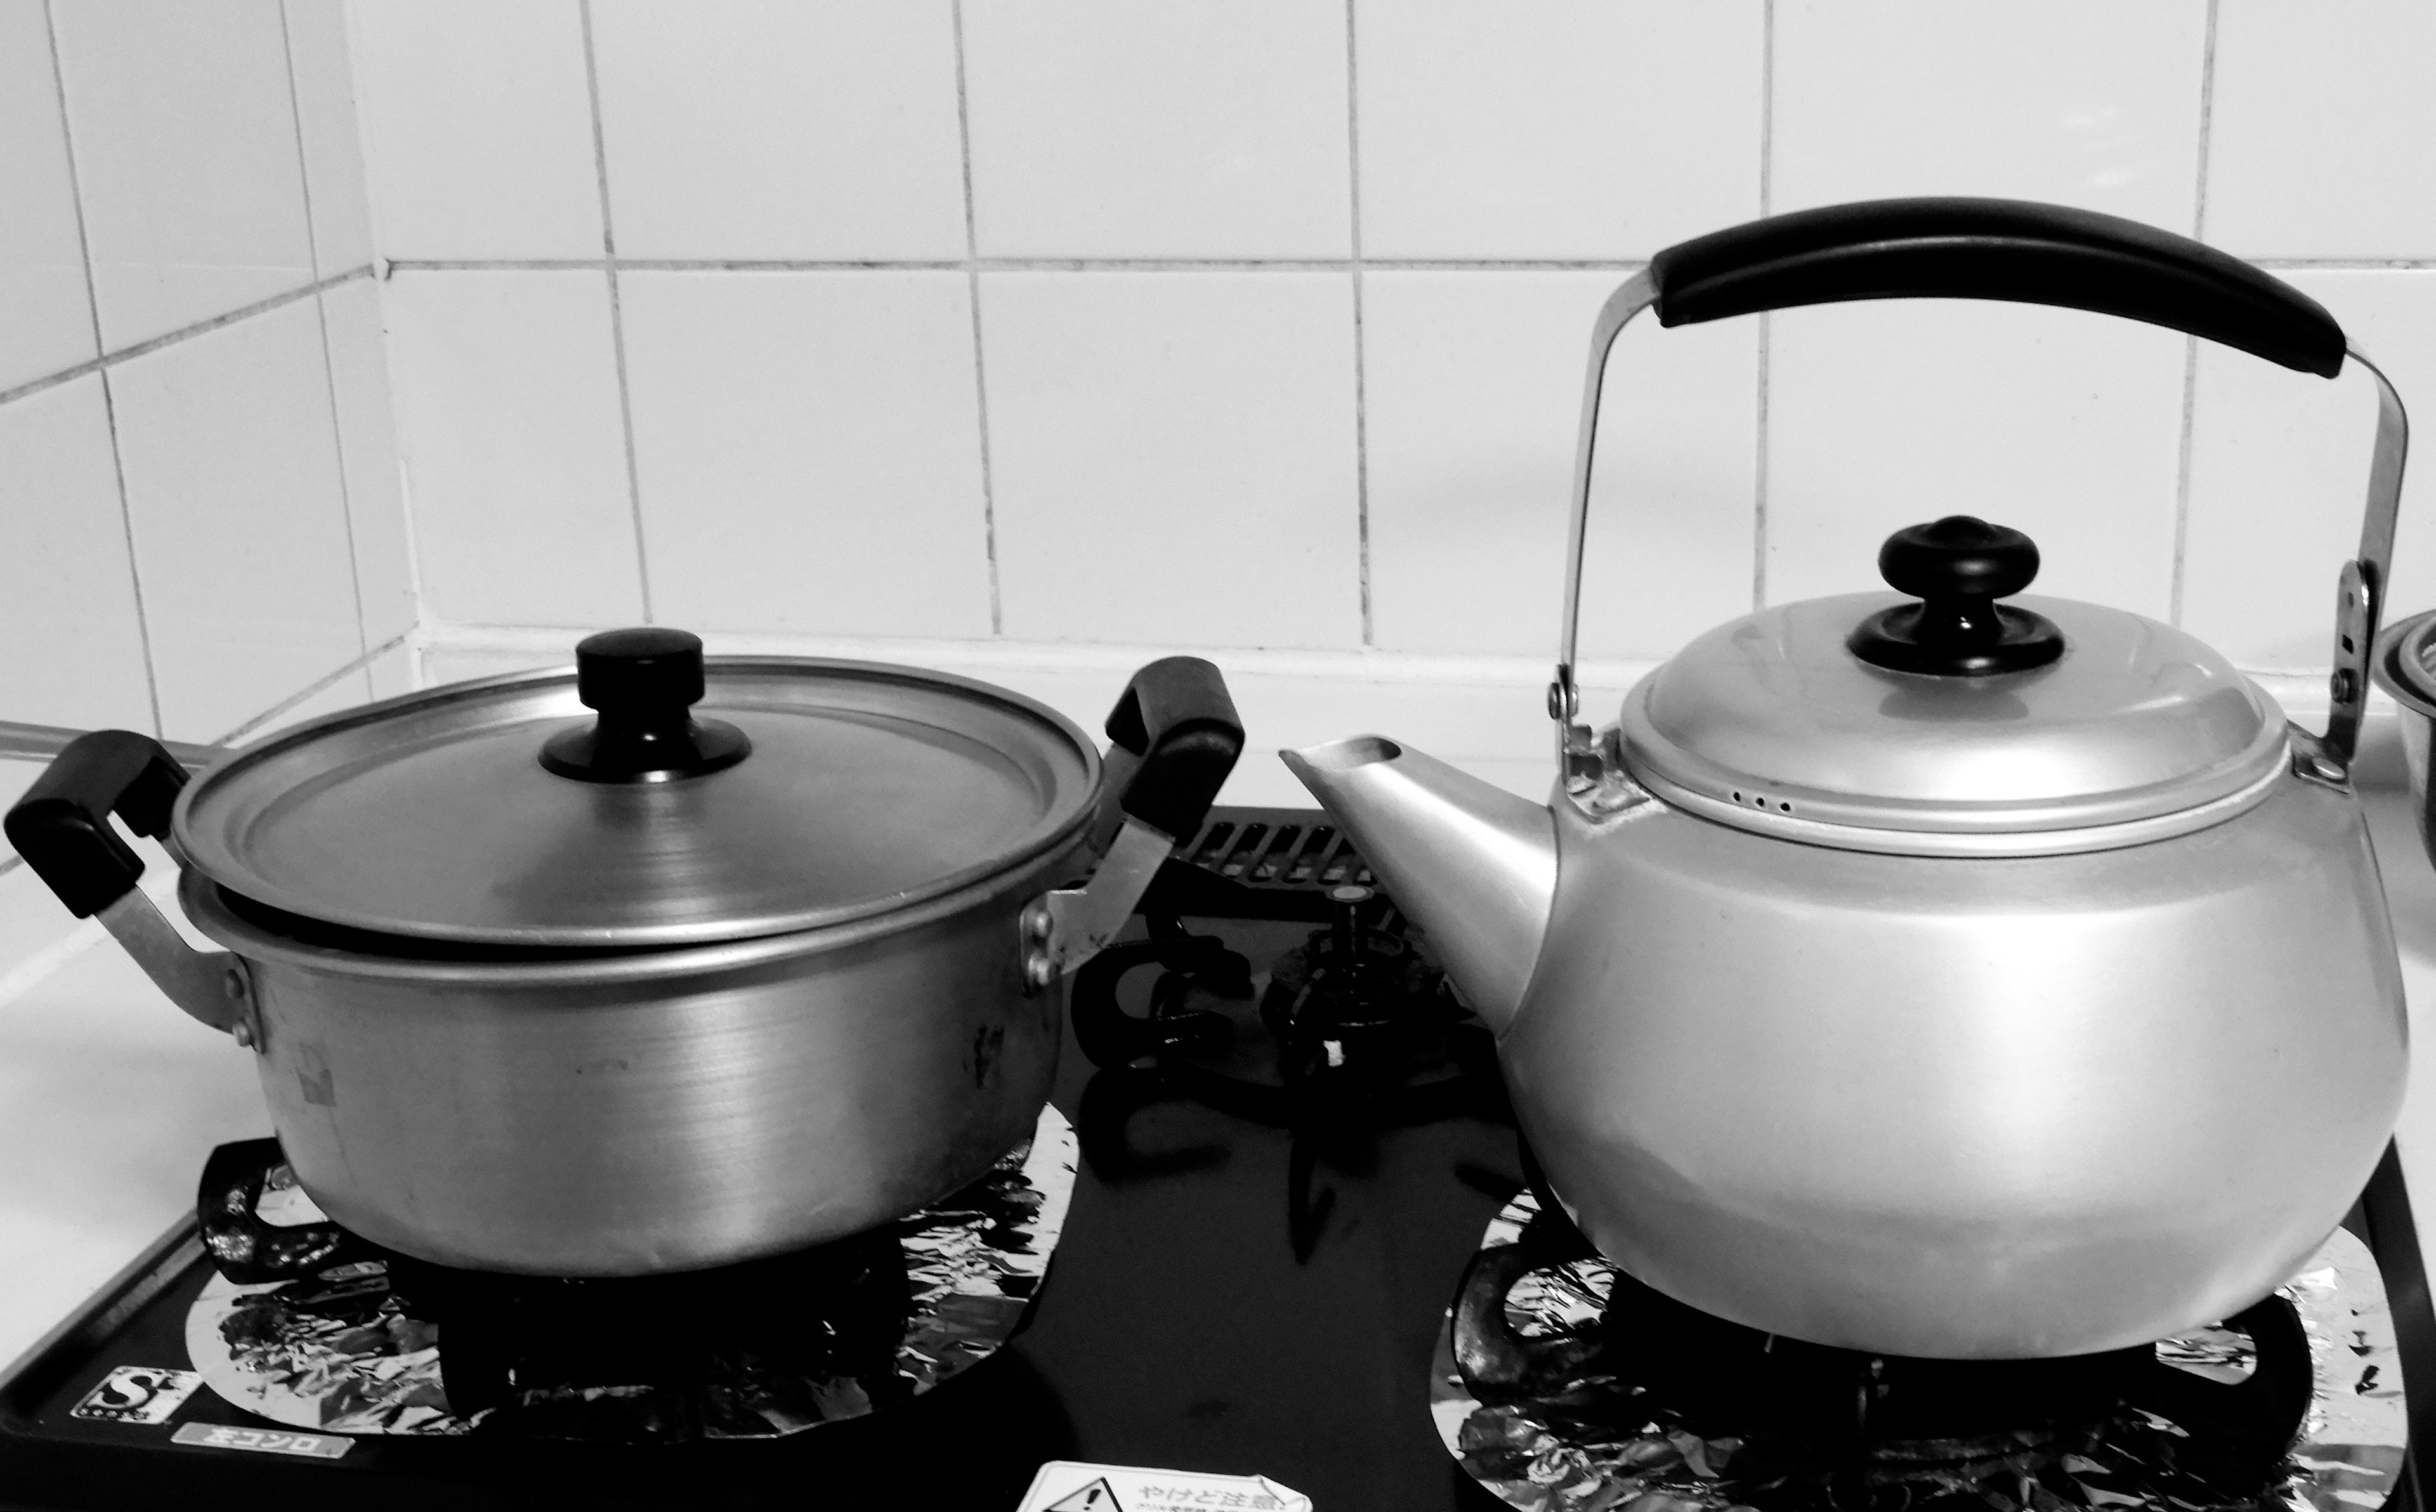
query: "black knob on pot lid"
644, 683
1960, 566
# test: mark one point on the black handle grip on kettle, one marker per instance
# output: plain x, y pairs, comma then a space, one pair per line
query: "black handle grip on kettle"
1176, 737
1994, 250
246, 1248
61, 825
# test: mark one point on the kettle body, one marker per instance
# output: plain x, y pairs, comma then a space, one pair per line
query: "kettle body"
1962, 1107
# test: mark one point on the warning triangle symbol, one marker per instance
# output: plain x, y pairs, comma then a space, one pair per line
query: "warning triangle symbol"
1096, 1497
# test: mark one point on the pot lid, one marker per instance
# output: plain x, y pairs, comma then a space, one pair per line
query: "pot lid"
799, 792
1950, 715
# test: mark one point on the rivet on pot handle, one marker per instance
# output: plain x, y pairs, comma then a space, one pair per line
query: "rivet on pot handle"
61, 826
1173, 736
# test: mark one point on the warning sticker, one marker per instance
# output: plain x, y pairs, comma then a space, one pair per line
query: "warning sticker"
1069, 1485
137, 1394
263, 1440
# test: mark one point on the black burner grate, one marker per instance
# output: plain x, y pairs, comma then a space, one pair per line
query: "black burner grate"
1258, 863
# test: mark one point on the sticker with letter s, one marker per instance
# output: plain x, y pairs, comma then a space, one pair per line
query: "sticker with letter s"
137, 1394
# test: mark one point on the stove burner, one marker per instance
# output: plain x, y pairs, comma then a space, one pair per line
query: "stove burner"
367, 1341
1360, 1024
632, 1358
1355, 1033
1609, 1391
1355, 1005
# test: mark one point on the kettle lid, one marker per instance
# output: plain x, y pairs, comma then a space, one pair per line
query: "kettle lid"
1939, 721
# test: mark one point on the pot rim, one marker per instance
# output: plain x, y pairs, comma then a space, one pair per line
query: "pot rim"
202, 848
205, 903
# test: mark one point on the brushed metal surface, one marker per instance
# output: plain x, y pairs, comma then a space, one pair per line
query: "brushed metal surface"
1964, 1108
1451, 847
667, 1110
1773, 719
869, 786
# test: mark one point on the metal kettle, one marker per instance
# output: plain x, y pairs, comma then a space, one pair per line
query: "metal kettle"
1915, 972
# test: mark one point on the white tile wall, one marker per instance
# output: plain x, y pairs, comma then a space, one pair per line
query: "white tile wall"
185, 131
1472, 398
774, 129
2320, 127
1298, 443
1171, 457
807, 451
336, 202
240, 521
2082, 102
1587, 128
45, 316
2279, 467
477, 127
2065, 425
508, 416
1198, 129
178, 531
359, 395
67, 594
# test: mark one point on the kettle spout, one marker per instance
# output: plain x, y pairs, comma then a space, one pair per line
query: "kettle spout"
1474, 865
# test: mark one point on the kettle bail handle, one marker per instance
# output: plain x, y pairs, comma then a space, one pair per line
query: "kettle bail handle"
2024, 252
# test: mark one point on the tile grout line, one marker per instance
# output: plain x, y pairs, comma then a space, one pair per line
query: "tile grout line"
2191, 343
1361, 386
146, 348
1012, 265
1154, 265
321, 323
1766, 198
973, 302
617, 312
314, 689
109, 400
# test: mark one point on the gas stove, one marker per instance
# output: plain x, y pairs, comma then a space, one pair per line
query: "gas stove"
1292, 1146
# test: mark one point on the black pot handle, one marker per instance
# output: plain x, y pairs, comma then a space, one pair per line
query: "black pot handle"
61, 825
1173, 737
247, 1249
1994, 250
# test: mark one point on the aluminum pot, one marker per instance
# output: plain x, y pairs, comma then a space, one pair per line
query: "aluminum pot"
1913, 973
653, 990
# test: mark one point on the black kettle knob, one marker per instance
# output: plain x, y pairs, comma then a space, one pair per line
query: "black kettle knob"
1960, 566
643, 683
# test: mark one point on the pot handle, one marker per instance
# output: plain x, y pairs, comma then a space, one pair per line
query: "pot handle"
246, 1248
1173, 736
1172, 739
2029, 254
61, 827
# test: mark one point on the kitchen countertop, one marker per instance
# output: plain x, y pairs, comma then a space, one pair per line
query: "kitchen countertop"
110, 1098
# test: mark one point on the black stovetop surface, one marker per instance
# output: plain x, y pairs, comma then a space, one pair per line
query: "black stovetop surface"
1228, 1296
